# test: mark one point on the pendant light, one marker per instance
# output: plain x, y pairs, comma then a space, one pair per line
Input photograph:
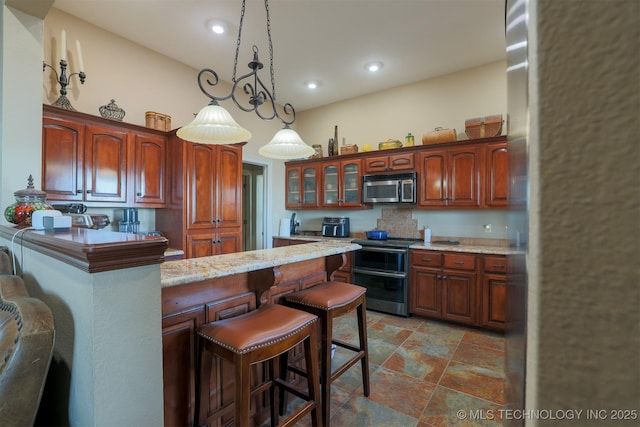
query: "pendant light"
214, 124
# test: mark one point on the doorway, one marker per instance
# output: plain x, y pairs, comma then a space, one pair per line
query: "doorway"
253, 207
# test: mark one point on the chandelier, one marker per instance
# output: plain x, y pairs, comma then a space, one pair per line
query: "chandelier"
214, 125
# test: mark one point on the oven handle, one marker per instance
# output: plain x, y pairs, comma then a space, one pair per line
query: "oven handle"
378, 273
387, 250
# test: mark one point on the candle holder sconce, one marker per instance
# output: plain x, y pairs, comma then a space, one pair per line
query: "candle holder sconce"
63, 80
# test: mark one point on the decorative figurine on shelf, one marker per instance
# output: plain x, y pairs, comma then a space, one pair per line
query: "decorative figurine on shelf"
112, 111
27, 201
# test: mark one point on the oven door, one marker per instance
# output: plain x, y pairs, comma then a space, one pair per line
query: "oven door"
386, 292
380, 259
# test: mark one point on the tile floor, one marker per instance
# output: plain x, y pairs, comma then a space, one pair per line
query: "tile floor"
422, 373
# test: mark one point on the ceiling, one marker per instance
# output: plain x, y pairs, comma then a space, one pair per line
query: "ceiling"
325, 40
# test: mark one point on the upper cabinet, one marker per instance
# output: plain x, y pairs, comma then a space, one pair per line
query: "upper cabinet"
98, 161
341, 183
470, 174
497, 171
450, 177
389, 163
303, 187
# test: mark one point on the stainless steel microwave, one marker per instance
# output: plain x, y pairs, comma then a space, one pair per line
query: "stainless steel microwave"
389, 188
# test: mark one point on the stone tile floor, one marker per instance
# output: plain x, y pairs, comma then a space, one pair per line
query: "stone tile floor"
423, 372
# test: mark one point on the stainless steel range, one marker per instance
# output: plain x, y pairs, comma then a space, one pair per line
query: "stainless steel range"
382, 266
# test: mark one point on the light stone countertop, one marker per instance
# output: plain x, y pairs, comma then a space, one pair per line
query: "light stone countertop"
180, 272
466, 245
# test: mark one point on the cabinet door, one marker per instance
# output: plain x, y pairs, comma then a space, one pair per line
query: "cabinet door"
464, 177
310, 187
228, 241
425, 292
178, 352
459, 296
330, 184
150, 165
402, 162
350, 172
294, 185
62, 160
229, 187
432, 191
497, 174
494, 301
199, 245
373, 164
201, 186
105, 164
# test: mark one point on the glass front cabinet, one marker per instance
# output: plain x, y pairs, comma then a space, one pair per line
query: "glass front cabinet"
341, 183
302, 187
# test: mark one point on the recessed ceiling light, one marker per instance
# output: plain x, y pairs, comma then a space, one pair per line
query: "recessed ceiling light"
218, 26
373, 66
312, 84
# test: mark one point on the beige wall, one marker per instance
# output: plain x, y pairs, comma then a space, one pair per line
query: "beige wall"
445, 101
141, 80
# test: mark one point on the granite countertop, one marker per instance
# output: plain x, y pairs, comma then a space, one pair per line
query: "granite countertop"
180, 272
470, 245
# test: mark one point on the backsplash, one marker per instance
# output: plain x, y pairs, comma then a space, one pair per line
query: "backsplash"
399, 223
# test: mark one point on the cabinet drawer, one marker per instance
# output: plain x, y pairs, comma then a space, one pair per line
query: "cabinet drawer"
426, 258
495, 264
460, 261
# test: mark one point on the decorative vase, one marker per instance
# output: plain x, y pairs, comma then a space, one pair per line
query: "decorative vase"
28, 201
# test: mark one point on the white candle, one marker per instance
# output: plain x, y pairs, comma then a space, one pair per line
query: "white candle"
80, 61
63, 46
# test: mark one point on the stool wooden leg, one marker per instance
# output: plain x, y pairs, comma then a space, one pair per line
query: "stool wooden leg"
362, 329
325, 352
243, 387
313, 377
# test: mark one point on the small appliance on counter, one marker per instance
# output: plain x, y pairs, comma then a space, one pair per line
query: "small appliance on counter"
335, 227
94, 221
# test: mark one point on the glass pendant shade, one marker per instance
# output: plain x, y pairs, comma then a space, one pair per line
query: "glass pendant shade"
286, 145
214, 125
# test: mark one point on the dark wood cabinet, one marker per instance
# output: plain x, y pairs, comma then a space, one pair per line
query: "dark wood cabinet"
450, 178
303, 187
150, 164
204, 212
341, 184
389, 163
496, 175
469, 174
494, 292
101, 162
444, 286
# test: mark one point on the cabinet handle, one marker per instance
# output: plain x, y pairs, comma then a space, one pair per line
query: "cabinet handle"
88, 191
444, 277
138, 194
78, 191
459, 262
426, 259
498, 266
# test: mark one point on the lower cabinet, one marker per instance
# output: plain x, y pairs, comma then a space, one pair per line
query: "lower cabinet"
343, 274
460, 287
444, 285
221, 242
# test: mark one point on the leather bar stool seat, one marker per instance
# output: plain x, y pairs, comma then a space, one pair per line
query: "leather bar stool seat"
328, 301
258, 336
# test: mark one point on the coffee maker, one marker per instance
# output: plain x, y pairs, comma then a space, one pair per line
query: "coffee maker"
337, 226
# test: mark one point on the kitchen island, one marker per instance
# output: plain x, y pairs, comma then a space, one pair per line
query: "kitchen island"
126, 320
201, 290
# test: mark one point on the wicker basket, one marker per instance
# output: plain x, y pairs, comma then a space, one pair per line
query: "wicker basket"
158, 121
483, 127
439, 135
349, 149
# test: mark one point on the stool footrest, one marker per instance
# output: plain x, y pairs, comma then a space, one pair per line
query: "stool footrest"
346, 345
297, 416
347, 365
293, 389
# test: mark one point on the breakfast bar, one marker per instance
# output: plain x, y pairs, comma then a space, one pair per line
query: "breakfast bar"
201, 290
126, 320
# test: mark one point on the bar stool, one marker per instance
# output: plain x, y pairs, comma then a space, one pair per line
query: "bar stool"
328, 301
258, 336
